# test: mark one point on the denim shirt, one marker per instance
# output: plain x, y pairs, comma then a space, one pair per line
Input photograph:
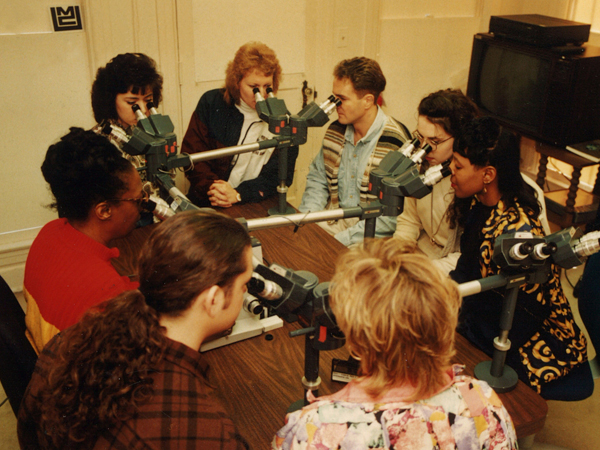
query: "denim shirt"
352, 168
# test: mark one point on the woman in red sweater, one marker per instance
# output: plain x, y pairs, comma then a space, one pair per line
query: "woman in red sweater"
98, 196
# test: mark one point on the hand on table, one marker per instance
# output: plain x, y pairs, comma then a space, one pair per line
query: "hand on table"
222, 194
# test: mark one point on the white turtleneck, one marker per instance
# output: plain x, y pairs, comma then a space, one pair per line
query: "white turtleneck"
247, 166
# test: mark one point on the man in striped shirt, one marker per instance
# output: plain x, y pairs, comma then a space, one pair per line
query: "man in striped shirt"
353, 145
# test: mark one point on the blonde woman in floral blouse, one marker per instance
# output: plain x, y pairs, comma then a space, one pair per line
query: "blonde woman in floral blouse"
399, 315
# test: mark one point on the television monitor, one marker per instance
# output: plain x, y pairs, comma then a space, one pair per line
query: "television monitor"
539, 92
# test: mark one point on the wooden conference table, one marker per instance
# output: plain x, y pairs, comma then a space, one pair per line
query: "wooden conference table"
259, 378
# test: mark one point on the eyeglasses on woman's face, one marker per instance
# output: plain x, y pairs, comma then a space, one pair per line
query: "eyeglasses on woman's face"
139, 200
433, 142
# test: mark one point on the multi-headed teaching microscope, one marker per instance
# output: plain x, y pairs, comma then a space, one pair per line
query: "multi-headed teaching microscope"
154, 138
277, 291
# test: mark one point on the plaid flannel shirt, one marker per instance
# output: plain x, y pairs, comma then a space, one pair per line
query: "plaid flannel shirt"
182, 414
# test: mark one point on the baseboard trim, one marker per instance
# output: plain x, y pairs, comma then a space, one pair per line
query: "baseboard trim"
14, 248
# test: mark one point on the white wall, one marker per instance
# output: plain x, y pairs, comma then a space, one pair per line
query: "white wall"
44, 85
45, 82
422, 45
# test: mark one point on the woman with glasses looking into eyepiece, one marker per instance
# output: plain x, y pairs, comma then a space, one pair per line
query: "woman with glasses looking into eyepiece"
424, 222
98, 196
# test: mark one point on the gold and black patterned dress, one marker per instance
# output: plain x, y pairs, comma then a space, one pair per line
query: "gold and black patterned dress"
546, 342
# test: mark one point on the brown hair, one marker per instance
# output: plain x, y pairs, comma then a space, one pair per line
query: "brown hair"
449, 108
398, 313
365, 75
252, 55
197, 250
102, 366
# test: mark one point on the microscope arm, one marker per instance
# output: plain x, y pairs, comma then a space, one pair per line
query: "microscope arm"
234, 150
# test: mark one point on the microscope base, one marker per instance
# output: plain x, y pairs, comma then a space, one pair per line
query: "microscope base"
244, 329
276, 212
504, 383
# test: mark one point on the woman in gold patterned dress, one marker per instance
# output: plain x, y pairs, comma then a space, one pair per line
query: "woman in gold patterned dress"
491, 198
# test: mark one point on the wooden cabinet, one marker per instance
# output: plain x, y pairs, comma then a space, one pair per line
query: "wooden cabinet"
572, 206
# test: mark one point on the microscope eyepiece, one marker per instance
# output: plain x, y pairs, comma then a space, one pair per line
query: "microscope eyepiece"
520, 251
549, 249
408, 147
330, 104
151, 108
417, 157
266, 289
157, 207
255, 285
257, 95
252, 305
138, 112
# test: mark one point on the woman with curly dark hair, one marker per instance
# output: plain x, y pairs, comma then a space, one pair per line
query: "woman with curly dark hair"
492, 199
227, 117
128, 79
98, 196
424, 221
129, 374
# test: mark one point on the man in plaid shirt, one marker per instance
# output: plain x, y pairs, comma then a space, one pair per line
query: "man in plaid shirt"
129, 374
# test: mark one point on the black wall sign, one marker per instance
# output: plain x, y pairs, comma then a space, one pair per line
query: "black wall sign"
66, 19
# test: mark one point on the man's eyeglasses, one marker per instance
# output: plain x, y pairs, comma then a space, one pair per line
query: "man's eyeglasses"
434, 144
140, 200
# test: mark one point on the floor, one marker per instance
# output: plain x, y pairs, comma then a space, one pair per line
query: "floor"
569, 425
572, 425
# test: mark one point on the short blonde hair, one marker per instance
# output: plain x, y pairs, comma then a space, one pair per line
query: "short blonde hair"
398, 313
252, 55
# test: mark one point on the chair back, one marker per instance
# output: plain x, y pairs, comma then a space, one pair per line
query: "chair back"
589, 306
17, 356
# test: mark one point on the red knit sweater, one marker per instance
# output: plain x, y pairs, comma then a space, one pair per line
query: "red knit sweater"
66, 273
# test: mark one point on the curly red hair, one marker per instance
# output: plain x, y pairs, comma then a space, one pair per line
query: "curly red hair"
253, 55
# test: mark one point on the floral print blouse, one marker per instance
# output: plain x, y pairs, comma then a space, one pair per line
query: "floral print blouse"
468, 414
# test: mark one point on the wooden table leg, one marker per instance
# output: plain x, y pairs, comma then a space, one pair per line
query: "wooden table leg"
541, 175
570, 205
596, 190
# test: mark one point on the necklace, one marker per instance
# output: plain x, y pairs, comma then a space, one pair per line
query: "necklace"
432, 237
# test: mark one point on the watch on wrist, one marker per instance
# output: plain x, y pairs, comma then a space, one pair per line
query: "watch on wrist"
238, 197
